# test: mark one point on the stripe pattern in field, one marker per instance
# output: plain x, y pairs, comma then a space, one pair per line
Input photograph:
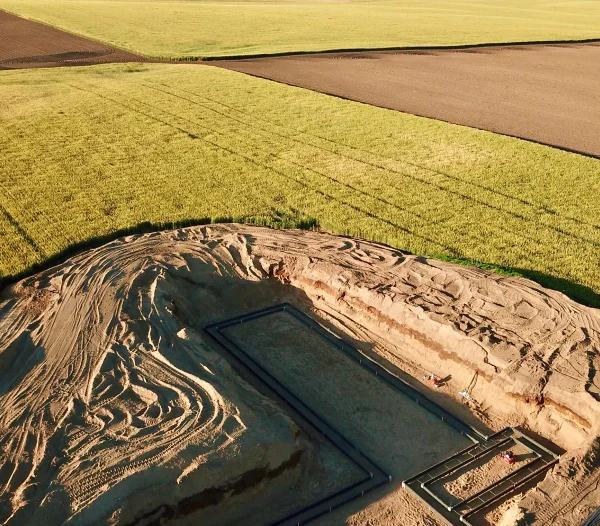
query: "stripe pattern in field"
544, 93
107, 148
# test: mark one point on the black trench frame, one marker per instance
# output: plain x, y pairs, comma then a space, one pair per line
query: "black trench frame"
375, 476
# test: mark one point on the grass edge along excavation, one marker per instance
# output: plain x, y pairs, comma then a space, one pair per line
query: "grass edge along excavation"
221, 145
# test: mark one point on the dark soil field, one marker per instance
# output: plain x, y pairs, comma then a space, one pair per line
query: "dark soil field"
27, 44
544, 93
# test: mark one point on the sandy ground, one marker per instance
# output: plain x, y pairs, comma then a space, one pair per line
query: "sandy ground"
378, 420
27, 44
114, 405
544, 93
463, 482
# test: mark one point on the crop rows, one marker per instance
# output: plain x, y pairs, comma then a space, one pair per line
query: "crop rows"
89, 152
190, 30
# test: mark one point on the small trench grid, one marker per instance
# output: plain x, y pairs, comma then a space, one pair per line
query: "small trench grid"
459, 512
452, 513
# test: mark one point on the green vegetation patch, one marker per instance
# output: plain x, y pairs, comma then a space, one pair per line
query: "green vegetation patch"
86, 152
196, 29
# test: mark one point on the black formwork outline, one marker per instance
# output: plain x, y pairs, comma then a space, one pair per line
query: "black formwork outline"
503, 444
415, 484
375, 475
593, 519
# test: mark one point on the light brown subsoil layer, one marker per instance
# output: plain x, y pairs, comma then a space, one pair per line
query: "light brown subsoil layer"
544, 93
114, 405
28, 44
375, 418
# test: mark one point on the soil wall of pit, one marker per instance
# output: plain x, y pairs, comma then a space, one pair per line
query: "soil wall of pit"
536, 359
110, 393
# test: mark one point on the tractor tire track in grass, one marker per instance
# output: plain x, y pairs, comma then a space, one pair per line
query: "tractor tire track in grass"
215, 144
378, 165
544, 209
21, 231
273, 170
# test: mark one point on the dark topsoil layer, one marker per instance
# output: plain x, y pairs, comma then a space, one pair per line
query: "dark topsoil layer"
27, 44
547, 93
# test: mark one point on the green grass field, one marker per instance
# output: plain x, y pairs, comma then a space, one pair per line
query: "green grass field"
188, 28
86, 152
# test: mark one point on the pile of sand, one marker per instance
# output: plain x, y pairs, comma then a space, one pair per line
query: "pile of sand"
111, 411
111, 398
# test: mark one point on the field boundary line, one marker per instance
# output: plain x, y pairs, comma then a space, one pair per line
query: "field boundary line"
450, 47
175, 59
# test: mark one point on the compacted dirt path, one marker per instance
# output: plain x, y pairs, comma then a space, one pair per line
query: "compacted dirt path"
27, 44
546, 93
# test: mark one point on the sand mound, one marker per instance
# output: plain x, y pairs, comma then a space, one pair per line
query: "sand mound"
104, 395
111, 398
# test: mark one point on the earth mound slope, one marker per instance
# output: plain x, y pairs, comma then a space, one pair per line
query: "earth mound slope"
114, 405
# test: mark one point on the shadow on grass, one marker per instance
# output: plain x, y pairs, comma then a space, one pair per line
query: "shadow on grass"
276, 219
579, 293
425, 49
294, 219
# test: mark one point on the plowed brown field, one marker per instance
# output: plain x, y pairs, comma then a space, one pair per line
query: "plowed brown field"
544, 93
27, 44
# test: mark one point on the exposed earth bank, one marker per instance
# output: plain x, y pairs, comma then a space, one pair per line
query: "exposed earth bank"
114, 405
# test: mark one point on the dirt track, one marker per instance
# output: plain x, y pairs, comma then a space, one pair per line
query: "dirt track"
27, 44
543, 93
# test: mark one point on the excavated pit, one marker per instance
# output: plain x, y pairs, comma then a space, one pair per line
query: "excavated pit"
115, 404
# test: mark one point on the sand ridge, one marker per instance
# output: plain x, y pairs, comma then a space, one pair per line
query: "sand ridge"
97, 388
109, 392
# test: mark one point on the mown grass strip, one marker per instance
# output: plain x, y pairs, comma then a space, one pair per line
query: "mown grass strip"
88, 152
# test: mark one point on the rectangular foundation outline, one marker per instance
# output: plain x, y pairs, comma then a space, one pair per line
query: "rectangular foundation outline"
483, 453
376, 476
452, 515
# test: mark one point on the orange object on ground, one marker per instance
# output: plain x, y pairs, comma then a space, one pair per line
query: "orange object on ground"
509, 457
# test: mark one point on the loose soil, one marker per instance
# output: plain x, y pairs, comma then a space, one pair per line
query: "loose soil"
391, 429
28, 44
543, 93
476, 476
115, 407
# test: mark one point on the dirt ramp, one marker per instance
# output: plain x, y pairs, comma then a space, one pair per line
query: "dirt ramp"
544, 93
28, 44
